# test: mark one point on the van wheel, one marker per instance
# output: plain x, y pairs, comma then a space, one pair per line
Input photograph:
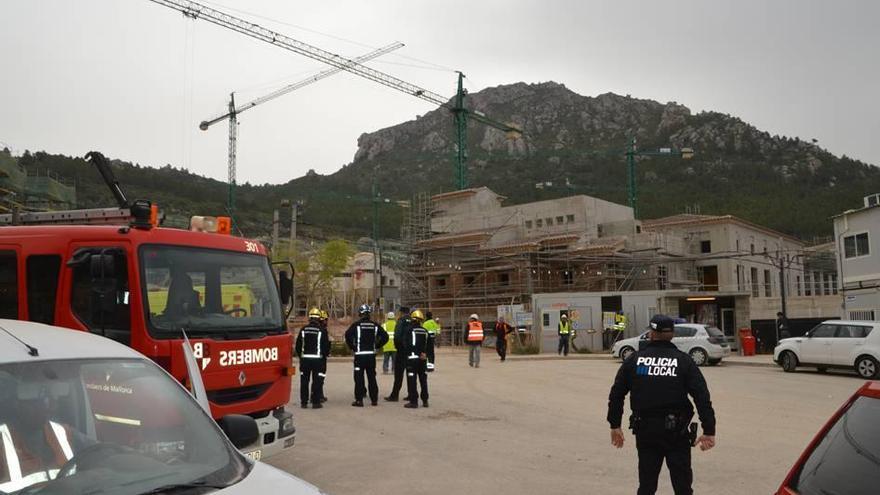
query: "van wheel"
789, 361
867, 367
699, 356
626, 352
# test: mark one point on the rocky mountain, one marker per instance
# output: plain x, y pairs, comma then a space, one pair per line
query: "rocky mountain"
574, 144
571, 144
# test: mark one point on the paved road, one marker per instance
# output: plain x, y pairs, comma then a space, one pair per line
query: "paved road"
526, 427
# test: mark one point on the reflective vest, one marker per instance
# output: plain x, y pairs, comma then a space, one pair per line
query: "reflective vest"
23, 469
475, 331
564, 327
620, 322
389, 327
432, 327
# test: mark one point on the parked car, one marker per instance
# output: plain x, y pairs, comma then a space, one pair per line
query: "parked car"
112, 421
834, 344
844, 457
705, 344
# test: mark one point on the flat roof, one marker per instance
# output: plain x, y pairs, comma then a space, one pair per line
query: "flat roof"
690, 219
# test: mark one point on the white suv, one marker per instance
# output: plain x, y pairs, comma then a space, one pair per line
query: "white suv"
834, 344
705, 344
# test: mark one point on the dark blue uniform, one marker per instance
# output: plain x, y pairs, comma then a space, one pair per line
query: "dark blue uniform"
363, 337
659, 379
312, 346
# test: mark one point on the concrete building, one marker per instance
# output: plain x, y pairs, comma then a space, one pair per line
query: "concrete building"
478, 254
856, 234
362, 282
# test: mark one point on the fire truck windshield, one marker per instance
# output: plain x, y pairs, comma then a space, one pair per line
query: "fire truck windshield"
207, 291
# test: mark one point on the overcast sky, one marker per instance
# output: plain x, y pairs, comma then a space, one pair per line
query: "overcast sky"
133, 79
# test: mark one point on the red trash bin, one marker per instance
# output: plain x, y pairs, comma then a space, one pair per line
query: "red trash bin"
747, 341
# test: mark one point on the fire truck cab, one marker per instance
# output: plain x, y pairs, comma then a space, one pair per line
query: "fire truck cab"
144, 286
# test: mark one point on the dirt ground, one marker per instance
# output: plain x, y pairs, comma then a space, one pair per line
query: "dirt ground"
526, 427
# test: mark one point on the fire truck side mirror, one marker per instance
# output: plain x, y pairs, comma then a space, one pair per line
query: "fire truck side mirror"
285, 287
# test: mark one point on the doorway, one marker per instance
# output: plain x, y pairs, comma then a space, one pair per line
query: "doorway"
728, 326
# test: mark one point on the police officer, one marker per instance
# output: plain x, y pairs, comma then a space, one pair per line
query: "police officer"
363, 337
401, 330
312, 347
416, 347
659, 380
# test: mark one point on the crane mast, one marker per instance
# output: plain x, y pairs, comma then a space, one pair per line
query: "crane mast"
234, 111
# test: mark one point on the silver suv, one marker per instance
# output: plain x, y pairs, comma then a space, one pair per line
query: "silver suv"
705, 344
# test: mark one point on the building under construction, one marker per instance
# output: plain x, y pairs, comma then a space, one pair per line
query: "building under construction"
470, 254
30, 190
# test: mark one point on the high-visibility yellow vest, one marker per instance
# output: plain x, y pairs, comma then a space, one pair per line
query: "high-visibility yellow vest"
564, 327
432, 327
389, 327
620, 322
475, 331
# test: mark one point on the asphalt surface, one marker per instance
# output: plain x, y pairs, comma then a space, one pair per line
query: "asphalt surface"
538, 426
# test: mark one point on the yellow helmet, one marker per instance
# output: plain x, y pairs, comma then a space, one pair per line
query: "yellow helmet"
324, 315
314, 313
417, 315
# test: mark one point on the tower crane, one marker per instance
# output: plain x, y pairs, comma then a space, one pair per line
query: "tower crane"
234, 111
195, 10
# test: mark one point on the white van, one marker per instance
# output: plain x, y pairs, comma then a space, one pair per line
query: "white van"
83, 414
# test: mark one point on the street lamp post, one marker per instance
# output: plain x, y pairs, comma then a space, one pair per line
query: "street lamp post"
631, 183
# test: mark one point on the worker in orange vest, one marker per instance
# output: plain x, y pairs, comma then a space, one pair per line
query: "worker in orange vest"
474, 339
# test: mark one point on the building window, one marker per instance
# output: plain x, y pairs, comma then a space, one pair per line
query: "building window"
384, 281
8, 285
391, 283
528, 224
469, 280
560, 220
808, 285
737, 245
752, 248
856, 245
567, 277
440, 283
817, 283
504, 279
539, 223
662, 277
549, 222
755, 290
799, 285
861, 315
768, 292
42, 287
705, 247
569, 218
827, 277
739, 277
834, 283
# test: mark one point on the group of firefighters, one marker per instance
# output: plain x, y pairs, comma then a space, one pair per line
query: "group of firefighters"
407, 341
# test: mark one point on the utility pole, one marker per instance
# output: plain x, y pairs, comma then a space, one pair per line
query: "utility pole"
294, 205
275, 224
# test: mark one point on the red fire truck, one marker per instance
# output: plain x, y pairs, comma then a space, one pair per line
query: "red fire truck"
115, 272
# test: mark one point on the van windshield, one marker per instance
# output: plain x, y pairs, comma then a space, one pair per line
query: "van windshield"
207, 291
119, 426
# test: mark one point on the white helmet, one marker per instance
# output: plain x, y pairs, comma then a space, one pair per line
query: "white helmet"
474, 317
390, 315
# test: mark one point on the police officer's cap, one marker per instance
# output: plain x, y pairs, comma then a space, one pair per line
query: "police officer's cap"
662, 323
